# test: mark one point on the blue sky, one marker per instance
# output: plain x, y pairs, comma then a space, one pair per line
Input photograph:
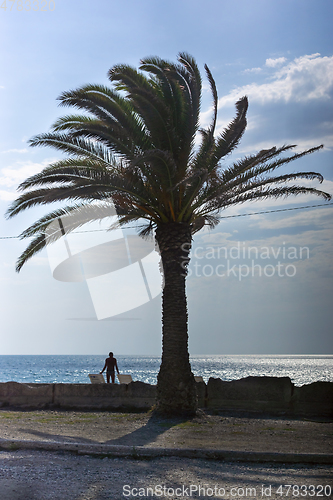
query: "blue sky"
280, 54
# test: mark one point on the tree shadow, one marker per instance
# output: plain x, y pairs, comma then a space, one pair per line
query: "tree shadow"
146, 434
57, 437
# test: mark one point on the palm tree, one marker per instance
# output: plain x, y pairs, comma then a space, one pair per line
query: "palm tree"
136, 144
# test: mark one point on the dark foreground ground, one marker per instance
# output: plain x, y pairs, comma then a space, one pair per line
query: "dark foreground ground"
34, 474
227, 432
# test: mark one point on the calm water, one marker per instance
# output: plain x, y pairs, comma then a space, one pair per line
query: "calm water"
75, 369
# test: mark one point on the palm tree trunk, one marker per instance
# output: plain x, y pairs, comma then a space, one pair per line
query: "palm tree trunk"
176, 392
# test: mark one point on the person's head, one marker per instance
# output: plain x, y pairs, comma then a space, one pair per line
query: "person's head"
111, 354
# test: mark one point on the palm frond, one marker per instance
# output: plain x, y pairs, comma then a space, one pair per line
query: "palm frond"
35, 246
74, 146
110, 108
72, 216
67, 171
230, 137
212, 84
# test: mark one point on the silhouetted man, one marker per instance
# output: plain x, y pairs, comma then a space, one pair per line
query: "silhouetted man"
110, 365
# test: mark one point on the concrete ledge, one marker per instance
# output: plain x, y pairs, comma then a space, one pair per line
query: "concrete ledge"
250, 393
275, 395
26, 395
313, 398
136, 395
142, 452
202, 394
272, 395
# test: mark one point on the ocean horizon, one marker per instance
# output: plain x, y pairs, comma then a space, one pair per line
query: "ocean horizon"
301, 369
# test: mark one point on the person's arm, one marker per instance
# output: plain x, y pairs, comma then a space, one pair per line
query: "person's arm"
117, 367
103, 368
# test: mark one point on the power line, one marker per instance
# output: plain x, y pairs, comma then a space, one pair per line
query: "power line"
279, 210
225, 217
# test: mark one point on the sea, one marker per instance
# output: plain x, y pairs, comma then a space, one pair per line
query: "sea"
48, 369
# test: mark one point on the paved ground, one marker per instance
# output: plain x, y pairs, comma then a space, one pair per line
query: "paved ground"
33, 475
83, 464
216, 432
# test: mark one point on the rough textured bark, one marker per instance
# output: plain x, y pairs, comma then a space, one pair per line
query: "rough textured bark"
176, 392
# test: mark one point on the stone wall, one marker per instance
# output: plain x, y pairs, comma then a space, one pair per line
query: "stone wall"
134, 396
26, 395
251, 393
313, 398
271, 395
274, 395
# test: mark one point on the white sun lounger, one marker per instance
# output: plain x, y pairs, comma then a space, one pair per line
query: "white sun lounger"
124, 379
96, 378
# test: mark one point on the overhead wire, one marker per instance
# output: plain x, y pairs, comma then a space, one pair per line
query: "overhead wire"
223, 217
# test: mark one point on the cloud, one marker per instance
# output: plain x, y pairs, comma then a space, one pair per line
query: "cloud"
15, 150
252, 70
306, 228
12, 176
309, 246
301, 143
307, 78
322, 218
7, 195
271, 63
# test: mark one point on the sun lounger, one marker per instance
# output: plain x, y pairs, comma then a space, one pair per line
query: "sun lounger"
124, 379
96, 378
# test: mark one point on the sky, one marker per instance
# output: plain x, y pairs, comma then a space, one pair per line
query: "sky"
262, 281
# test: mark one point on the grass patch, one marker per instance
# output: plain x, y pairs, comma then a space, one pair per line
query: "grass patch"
68, 418
64, 419
129, 417
47, 417
10, 415
187, 425
167, 425
13, 447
